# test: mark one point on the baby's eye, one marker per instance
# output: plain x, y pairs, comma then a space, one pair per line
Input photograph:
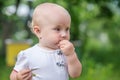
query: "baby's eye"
67, 29
57, 29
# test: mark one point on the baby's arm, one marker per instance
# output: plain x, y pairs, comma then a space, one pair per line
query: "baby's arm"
21, 75
74, 65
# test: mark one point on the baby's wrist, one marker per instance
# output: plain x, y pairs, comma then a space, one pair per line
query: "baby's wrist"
70, 54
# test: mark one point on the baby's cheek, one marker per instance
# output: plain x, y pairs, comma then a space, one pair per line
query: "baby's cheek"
68, 38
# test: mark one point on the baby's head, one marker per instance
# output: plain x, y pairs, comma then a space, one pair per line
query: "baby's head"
49, 15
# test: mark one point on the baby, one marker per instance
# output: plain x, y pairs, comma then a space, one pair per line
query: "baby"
54, 57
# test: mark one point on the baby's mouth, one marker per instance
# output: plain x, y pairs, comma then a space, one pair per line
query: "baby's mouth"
58, 43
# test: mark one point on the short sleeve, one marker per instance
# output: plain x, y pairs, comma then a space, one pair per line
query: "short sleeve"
22, 62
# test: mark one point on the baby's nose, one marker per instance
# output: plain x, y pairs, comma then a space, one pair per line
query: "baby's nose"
63, 35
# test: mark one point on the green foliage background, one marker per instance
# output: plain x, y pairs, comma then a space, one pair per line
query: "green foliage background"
95, 31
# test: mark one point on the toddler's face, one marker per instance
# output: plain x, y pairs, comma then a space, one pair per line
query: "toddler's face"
54, 23
57, 30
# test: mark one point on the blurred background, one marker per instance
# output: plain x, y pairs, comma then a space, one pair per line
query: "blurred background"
95, 32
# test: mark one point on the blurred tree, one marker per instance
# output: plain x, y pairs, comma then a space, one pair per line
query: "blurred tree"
4, 29
71, 6
7, 23
94, 22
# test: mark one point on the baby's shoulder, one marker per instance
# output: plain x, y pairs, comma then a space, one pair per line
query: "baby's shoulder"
30, 49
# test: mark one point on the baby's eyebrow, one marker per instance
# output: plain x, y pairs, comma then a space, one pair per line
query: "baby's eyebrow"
63, 25
58, 26
68, 27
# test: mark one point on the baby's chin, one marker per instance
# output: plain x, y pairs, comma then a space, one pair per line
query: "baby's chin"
56, 47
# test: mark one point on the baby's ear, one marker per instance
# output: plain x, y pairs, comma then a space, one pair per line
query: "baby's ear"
36, 30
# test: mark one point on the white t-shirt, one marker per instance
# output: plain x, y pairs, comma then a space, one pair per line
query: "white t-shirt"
45, 65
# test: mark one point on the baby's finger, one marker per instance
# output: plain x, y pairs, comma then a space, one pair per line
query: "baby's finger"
25, 76
62, 46
25, 71
28, 77
62, 42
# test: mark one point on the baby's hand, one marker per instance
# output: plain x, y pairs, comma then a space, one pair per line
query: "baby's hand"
24, 75
66, 47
